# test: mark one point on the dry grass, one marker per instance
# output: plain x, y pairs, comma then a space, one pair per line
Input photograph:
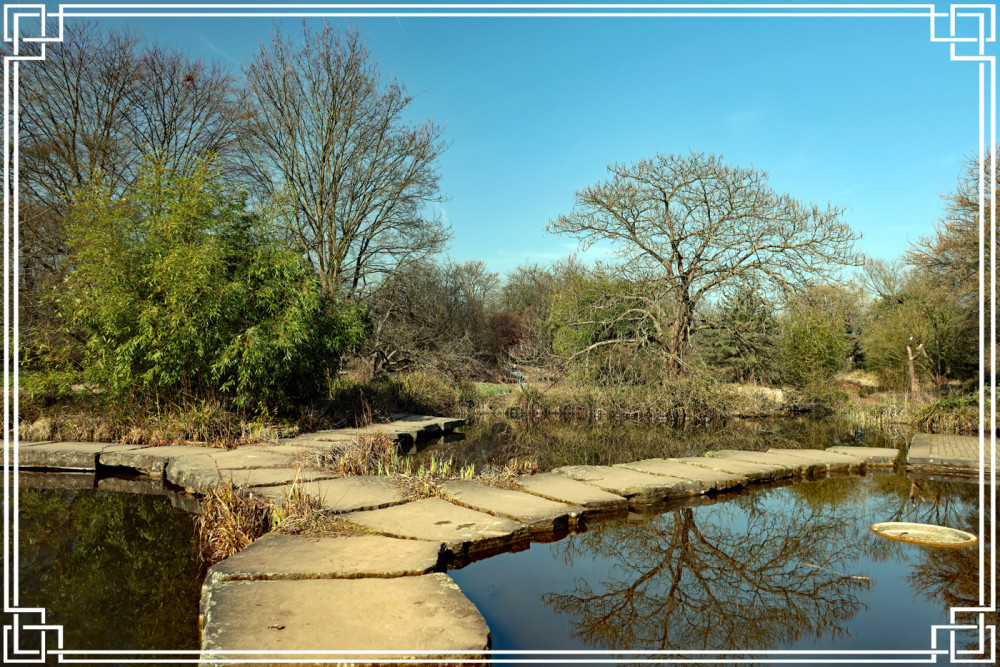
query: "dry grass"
302, 514
91, 418
505, 476
231, 519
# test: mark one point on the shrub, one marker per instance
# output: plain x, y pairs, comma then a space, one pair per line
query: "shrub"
179, 292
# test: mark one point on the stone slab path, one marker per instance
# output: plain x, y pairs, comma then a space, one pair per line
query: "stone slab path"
386, 590
752, 472
788, 465
463, 531
539, 514
407, 614
406, 429
710, 480
566, 490
631, 484
950, 454
276, 556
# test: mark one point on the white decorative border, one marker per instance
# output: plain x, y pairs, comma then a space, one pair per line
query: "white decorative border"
973, 48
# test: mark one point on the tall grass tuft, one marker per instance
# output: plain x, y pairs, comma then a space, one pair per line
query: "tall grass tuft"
231, 519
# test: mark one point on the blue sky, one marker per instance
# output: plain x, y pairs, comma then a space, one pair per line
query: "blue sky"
866, 113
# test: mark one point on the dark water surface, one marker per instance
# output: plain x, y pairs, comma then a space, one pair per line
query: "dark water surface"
770, 569
117, 570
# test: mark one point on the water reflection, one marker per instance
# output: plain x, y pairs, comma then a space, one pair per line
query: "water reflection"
117, 570
741, 577
775, 569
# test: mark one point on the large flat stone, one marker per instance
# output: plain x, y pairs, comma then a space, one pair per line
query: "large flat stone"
350, 494
636, 486
832, 460
789, 465
68, 455
563, 489
539, 514
873, 456
151, 460
276, 556
246, 458
425, 613
751, 471
462, 530
201, 472
711, 480
278, 476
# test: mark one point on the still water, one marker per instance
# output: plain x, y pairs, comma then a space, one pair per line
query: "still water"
794, 567
117, 570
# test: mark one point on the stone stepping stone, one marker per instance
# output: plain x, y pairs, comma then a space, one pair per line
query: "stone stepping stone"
539, 514
67, 455
151, 460
636, 486
203, 472
277, 556
463, 531
425, 613
877, 456
711, 480
350, 494
790, 464
314, 440
276, 476
566, 490
339, 495
755, 472
832, 460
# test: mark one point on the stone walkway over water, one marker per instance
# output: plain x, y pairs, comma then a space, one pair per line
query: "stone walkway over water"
958, 455
387, 591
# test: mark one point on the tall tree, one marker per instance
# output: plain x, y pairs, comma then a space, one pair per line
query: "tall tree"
332, 150
949, 259
99, 102
689, 226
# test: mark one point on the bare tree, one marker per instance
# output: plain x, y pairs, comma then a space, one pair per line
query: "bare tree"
183, 108
688, 227
331, 149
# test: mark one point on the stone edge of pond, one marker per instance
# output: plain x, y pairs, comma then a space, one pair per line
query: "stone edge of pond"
412, 542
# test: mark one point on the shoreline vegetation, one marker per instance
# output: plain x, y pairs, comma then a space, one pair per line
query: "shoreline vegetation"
86, 416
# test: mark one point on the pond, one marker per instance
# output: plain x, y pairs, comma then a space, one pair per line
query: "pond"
771, 568
117, 570
781, 568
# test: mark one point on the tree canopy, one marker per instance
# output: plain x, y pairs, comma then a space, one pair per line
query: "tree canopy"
690, 226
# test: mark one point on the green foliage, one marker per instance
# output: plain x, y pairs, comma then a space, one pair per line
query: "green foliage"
179, 292
916, 314
958, 414
817, 334
743, 341
594, 322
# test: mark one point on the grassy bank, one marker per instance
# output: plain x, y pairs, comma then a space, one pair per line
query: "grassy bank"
89, 416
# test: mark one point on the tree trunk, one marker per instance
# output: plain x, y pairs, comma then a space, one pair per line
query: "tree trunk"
911, 356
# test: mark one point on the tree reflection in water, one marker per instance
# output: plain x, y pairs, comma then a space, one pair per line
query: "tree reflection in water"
774, 569
738, 577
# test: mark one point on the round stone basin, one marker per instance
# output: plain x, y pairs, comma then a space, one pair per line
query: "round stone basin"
923, 533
